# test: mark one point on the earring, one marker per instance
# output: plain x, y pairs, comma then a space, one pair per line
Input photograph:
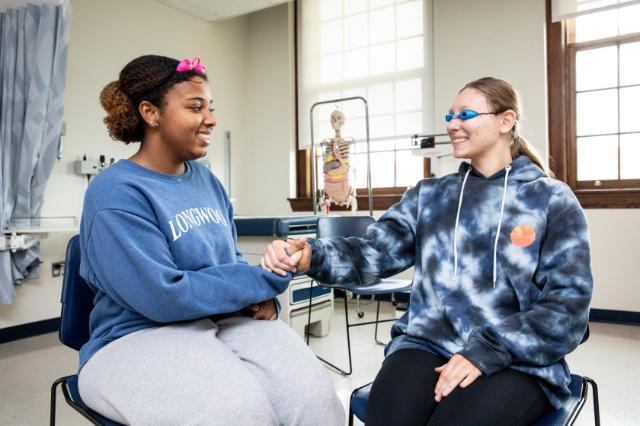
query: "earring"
153, 124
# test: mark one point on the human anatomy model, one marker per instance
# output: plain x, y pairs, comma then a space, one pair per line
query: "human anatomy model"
337, 188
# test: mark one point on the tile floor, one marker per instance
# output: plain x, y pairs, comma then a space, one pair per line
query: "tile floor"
611, 357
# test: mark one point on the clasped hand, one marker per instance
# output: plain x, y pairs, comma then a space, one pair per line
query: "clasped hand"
282, 257
264, 310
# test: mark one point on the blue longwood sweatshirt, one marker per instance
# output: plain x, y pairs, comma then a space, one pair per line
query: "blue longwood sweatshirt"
502, 269
160, 248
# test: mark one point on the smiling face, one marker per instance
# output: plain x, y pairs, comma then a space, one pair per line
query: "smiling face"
186, 121
480, 136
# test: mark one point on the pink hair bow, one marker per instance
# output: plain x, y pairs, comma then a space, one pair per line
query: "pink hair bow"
193, 64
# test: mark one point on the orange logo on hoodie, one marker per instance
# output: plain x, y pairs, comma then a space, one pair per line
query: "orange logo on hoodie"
523, 235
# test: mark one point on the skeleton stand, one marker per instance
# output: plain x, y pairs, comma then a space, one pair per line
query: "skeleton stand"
314, 181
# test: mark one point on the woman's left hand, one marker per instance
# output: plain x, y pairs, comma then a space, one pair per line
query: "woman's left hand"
264, 310
458, 371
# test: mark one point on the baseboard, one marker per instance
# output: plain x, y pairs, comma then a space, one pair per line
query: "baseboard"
31, 329
616, 317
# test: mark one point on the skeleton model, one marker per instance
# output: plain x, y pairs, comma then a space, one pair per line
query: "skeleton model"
337, 188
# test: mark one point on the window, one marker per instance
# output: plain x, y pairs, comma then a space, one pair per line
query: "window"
597, 144
376, 49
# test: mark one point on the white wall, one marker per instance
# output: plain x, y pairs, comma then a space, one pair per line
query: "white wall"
497, 38
614, 257
269, 99
105, 35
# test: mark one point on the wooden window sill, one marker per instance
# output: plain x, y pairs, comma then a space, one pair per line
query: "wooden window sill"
609, 198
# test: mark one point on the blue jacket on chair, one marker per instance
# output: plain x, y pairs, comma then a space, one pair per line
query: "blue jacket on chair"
502, 269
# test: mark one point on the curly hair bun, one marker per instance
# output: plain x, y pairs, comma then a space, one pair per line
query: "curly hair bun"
122, 120
146, 78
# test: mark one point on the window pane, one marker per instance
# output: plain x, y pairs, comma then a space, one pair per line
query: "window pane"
630, 109
356, 63
381, 126
629, 156
410, 53
597, 25
331, 68
355, 31
353, 109
409, 19
630, 63
330, 9
331, 36
380, 99
598, 158
381, 25
354, 6
409, 123
597, 112
597, 68
630, 19
382, 169
379, 3
384, 145
323, 112
409, 95
409, 168
380, 62
354, 128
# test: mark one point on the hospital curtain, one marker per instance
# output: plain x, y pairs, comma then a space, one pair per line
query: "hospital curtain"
33, 62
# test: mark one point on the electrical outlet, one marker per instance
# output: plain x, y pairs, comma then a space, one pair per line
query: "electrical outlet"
57, 269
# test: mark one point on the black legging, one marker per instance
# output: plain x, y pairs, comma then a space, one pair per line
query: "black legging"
403, 394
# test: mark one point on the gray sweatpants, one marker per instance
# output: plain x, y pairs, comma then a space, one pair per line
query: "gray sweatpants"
237, 371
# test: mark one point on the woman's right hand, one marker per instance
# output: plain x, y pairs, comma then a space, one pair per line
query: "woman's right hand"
282, 257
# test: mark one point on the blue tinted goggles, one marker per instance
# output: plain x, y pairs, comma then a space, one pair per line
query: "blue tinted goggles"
466, 114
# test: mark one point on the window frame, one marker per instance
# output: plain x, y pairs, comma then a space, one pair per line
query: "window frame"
562, 119
383, 197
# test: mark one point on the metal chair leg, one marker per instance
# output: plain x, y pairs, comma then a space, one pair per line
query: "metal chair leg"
54, 388
596, 400
348, 326
377, 320
308, 332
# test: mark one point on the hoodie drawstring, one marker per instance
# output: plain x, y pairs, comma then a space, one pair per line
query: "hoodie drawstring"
455, 230
495, 245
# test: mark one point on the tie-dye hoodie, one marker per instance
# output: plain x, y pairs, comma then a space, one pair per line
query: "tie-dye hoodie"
502, 269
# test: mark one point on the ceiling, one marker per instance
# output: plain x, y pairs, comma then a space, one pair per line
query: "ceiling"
216, 10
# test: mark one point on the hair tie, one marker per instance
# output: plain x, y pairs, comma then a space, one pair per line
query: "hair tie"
191, 65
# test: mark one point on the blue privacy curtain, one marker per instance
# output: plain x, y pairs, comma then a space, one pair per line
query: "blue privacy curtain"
33, 63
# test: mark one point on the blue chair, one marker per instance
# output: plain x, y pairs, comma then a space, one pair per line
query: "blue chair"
77, 302
354, 226
564, 416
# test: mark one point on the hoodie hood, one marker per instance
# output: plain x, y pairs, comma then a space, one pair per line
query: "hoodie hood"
522, 169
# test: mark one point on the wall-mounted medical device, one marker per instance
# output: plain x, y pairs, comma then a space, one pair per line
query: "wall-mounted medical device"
90, 168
